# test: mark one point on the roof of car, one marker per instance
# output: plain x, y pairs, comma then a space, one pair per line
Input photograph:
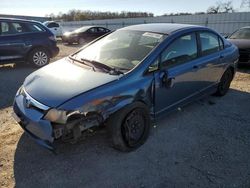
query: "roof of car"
17, 19
245, 27
165, 28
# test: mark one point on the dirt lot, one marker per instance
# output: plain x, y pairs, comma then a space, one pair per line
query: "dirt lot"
205, 144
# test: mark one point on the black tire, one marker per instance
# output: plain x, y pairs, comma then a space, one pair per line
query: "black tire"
224, 84
39, 57
134, 117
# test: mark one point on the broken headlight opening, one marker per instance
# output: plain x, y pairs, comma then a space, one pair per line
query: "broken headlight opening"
56, 116
70, 125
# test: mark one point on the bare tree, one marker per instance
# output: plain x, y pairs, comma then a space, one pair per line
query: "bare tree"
221, 7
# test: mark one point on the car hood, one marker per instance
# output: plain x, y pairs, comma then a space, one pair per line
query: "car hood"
58, 82
241, 43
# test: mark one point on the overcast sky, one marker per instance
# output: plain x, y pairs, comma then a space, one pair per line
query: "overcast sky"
158, 7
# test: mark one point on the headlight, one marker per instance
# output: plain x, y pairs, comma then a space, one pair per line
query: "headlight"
56, 116
19, 91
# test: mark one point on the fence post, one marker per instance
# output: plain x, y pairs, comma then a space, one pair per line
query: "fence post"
206, 22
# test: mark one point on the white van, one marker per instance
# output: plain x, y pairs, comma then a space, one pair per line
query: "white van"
54, 27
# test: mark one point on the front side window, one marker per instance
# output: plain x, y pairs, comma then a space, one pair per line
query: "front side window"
209, 43
5, 28
122, 49
182, 50
9, 28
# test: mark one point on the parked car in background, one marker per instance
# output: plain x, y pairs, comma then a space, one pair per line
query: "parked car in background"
26, 41
54, 27
84, 34
241, 38
124, 80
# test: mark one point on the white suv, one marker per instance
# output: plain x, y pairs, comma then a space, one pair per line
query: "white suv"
54, 27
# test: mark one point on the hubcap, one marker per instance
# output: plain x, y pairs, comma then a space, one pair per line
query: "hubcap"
40, 58
133, 128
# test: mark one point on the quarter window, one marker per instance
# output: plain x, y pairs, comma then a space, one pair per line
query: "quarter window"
209, 43
182, 50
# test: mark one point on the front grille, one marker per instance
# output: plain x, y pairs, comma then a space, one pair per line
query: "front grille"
32, 103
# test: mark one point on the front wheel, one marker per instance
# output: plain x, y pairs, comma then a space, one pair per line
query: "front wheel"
130, 127
39, 57
225, 82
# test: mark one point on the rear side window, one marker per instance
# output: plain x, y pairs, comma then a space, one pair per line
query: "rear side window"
34, 28
53, 24
182, 50
101, 30
209, 43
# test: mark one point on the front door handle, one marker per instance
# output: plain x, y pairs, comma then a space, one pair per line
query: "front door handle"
195, 66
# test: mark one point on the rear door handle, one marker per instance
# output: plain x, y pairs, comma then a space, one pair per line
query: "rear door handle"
221, 56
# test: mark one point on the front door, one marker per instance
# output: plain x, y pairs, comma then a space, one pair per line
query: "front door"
11, 41
181, 74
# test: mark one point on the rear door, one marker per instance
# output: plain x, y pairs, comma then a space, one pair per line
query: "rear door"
181, 76
12, 42
212, 57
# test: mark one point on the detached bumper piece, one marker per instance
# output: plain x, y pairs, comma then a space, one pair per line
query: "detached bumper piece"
30, 119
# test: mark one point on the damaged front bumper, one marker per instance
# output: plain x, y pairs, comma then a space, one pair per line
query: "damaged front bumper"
29, 113
30, 119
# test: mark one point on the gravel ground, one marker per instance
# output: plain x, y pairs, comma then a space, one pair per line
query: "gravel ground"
205, 144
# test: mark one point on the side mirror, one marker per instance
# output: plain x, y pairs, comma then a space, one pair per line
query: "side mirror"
226, 36
166, 80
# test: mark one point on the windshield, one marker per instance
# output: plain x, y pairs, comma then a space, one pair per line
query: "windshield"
241, 34
122, 49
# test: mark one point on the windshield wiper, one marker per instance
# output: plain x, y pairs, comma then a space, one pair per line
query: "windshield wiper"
99, 65
83, 62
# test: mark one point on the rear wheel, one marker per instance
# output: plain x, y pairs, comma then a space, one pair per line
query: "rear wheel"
39, 57
130, 127
224, 84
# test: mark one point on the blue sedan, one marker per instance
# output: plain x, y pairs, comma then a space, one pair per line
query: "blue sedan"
124, 80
